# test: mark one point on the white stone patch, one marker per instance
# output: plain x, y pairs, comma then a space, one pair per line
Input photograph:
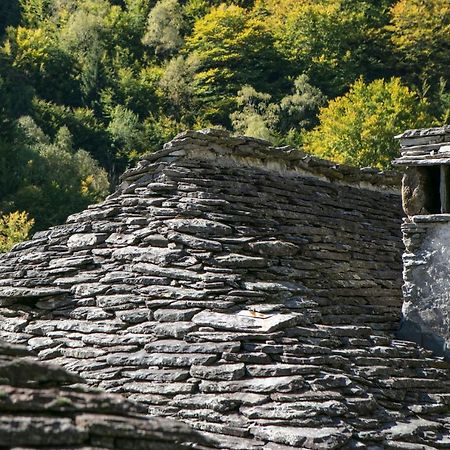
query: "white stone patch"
245, 321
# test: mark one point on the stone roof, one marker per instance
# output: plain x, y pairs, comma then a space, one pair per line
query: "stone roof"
224, 149
41, 407
427, 146
250, 291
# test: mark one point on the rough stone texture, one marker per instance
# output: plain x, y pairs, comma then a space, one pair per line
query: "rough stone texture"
426, 233
414, 192
39, 409
243, 289
425, 146
426, 309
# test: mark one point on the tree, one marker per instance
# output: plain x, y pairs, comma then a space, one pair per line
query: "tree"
359, 127
234, 48
282, 122
57, 180
81, 38
124, 128
177, 86
332, 41
33, 12
164, 27
255, 116
421, 36
14, 228
298, 111
35, 54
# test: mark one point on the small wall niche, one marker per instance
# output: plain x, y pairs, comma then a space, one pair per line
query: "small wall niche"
426, 190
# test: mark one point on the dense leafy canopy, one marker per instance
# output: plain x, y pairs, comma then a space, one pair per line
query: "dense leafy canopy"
421, 36
359, 127
87, 86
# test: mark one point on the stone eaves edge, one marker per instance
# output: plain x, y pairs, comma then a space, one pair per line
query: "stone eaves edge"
225, 150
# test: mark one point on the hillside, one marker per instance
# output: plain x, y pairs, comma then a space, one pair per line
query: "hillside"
89, 86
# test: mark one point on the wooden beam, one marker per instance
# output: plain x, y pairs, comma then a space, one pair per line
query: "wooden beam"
443, 189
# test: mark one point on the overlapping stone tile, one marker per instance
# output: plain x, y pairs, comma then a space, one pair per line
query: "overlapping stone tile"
250, 291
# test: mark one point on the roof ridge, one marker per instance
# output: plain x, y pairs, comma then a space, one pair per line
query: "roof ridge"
225, 149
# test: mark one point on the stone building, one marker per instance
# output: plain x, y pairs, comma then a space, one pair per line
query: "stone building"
425, 154
251, 292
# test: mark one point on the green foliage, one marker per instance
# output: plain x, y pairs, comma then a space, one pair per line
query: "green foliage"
178, 89
124, 128
259, 116
56, 180
329, 39
159, 129
87, 130
234, 47
441, 103
255, 115
87, 86
164, 27
359, 127
14, 228
80, 37
196, 9
35, 54
421, 35
34, 12
299, 110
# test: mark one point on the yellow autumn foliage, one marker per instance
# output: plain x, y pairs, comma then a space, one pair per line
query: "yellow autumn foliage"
14, 228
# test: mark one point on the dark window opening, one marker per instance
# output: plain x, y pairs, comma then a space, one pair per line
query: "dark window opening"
426, 190
431, 177
436, 188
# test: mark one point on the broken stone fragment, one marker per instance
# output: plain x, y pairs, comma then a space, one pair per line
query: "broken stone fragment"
199, 226
87, 240
274, 248
305, 437
195, 242
240, 261
219, 372
245, 321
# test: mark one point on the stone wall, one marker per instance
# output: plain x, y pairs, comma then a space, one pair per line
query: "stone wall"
43, 406
426, 234
426, 273
250, 291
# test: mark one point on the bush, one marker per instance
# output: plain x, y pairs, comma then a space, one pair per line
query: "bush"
14, 228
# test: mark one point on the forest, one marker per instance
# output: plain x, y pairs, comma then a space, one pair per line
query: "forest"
88, 86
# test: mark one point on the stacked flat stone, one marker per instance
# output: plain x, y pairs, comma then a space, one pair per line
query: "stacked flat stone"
250, 291
40, 410
424, 146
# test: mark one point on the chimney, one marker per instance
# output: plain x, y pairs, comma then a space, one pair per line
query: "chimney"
425, 156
